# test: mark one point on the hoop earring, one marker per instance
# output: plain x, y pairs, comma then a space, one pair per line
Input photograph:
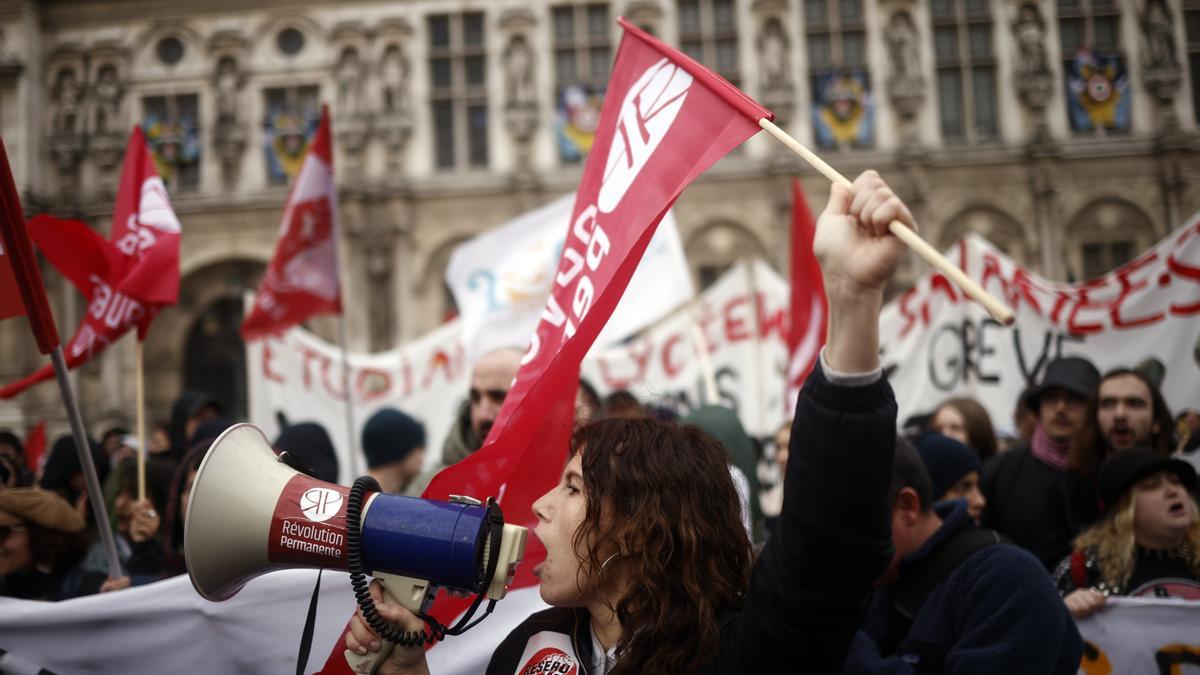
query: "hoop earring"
608, 560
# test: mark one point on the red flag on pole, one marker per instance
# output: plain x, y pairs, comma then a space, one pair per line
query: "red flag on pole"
35, 446
302, 279
126, 279
664, 121
10, 294
809, 315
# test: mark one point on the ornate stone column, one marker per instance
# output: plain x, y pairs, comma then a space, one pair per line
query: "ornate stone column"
228, 50
521, 114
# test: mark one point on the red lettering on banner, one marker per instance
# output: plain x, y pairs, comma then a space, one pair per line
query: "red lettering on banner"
1075, 323
640, 352
939, 283
440, 361
266, 363
770, 321
1128, 287
735, 327
335, 389
1015, 289
910, 319
307, 354
671, 368
1184, 271
372, 383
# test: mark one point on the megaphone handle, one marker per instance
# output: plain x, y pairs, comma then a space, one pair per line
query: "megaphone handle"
407, 591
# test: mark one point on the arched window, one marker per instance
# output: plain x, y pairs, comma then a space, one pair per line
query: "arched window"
999, 228
215, 356
966, 69
714, 248
1105, 235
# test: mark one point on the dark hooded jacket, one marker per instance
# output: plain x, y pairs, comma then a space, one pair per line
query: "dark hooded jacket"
723, 424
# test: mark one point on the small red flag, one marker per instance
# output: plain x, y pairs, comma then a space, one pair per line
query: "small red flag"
809, 315
126, 279
302, 279
10, 293
35, 445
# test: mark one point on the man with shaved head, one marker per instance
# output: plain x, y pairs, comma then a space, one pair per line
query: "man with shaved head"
490, 380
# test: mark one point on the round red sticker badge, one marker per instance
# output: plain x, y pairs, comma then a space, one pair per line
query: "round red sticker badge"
550, 661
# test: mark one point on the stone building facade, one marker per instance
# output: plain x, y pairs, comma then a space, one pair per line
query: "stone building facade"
1063, 130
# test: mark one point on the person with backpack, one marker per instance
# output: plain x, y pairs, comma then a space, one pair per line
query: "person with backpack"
957, 598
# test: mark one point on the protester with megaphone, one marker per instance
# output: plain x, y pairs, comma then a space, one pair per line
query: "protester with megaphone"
648, 567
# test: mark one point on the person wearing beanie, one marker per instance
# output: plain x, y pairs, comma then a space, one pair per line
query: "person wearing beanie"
42, 541
953, 470
1147, 542
310, 444
394, 445
63, 472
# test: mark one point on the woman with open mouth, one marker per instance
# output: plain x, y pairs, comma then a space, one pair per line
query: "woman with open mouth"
1148, 542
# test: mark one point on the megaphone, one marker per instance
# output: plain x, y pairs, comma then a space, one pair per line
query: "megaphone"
251, 512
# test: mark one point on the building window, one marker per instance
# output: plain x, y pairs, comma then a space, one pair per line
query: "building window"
581, 35
836, 50
170, 51
458, 82
290, 41
1191, 20
292, 116
1098, 91
966, 69
708, 34
171, 125
1101, 257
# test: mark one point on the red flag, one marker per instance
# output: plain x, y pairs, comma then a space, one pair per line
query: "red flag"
809, 313
10, 294
302, 279
665, 120
126, 279
35, 445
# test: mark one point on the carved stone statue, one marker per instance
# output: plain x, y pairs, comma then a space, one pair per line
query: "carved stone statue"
395, 122
349, 76
520, 109
1033, 79
106, 111
393, 74
518, 72
773, 56
906, 85
228, 82
1030, 32
904, 45
68, 95
1160, 35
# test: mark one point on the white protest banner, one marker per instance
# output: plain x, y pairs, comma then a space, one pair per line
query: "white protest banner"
501, 279
166, 627
746, 345
936, 344
299, 375
1140, 635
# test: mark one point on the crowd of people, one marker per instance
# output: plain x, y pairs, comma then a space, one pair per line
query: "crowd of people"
869, 546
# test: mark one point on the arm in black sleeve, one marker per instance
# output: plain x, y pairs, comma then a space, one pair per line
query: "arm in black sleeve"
834, 535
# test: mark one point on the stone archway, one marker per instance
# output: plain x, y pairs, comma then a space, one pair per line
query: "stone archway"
1001, 229
1104, 235
715, 247
195, 344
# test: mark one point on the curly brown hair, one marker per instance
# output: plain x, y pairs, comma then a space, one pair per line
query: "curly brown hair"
661, 497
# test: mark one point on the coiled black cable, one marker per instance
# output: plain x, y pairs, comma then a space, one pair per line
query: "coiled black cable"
358, 578
362, 591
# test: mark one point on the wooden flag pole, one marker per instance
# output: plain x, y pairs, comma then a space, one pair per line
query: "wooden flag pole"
700, 342
936, 260
140, 404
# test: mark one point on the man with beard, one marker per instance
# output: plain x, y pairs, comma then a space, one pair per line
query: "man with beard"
1018, 483
490, 381
1129, 413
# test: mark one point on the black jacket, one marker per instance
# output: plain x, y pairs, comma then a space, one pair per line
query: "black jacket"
996, 612
1018, 488
808, 586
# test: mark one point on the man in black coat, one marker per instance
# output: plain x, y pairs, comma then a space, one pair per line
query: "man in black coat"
955, 599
